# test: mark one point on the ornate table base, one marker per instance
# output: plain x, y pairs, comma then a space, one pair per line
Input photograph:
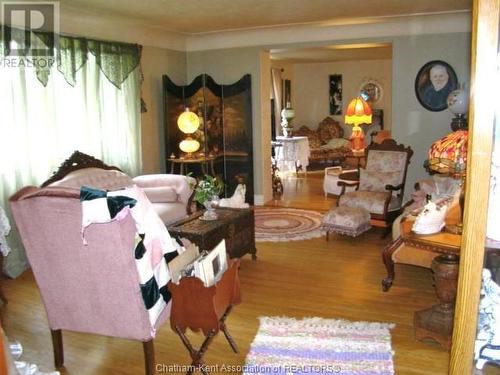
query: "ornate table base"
437, 322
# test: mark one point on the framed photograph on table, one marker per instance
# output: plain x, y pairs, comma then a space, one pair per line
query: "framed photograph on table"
335, 82
434, 82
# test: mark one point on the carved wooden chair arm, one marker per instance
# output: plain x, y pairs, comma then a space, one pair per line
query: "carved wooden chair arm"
394, 188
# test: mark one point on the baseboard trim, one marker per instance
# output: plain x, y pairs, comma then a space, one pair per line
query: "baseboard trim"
258, 200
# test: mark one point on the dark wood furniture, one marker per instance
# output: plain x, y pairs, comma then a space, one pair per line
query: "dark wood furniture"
440, 252
235, 225
199, 308
77, 160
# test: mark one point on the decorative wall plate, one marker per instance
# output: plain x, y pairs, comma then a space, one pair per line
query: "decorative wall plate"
371, 91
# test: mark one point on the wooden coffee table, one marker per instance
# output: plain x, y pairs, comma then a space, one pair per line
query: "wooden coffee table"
235, 225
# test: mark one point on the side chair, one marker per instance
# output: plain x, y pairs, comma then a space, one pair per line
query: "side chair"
380, 188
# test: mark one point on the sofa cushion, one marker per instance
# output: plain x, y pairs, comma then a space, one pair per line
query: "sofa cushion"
97, 178
161, 194
170, 212
369, 200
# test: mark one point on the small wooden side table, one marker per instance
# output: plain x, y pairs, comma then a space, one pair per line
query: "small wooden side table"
199, 308
205, 163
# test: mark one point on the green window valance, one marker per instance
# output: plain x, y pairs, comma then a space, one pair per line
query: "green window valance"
115, 60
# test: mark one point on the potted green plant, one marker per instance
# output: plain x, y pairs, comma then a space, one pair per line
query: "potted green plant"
207, 193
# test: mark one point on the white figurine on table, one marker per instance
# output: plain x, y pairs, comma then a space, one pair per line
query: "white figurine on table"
237, 200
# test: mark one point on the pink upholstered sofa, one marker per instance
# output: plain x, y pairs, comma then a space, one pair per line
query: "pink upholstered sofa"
170, 193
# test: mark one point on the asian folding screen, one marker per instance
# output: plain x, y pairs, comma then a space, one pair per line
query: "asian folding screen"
225, 132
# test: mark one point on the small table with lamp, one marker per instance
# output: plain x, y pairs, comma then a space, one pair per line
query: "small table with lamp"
205, 162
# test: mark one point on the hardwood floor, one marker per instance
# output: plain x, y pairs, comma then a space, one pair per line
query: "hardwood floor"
336, 279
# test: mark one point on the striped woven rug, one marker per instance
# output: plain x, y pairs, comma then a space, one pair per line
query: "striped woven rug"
320, 346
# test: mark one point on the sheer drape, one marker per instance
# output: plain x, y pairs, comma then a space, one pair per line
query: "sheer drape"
89, 103
276, 86
41, 126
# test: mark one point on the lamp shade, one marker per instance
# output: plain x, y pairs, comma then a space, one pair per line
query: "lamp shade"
449, 154
188, 122
358, 112
189, 145
458, 102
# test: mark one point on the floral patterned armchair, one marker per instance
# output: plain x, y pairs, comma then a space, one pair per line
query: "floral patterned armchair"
380, 188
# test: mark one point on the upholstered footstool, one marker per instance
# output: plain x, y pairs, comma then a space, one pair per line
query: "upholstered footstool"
351, 221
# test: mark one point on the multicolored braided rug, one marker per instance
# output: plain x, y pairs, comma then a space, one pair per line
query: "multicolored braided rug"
286, 224
320, 346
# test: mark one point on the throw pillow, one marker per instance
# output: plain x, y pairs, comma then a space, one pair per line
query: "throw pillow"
376, 181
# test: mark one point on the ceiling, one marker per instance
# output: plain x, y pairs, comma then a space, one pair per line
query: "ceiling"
206, 16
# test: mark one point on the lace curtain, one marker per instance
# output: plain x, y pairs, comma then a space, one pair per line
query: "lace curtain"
88, 100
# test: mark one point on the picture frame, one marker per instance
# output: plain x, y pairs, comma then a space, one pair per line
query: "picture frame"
434, 82
335, 94
287, 97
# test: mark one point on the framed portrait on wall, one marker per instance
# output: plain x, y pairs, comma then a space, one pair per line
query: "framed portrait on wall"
335, 95
434, 82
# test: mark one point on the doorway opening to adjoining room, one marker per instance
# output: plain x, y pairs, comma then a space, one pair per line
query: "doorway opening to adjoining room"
317, 83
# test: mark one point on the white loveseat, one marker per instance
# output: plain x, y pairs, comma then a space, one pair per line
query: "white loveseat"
170, 193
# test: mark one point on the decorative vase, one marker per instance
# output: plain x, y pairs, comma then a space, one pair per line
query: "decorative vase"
210, 205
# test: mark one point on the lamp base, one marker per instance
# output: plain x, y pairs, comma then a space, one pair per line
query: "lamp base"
459, 122
287, 131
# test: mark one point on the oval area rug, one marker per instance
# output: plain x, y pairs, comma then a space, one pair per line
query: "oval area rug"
286, 224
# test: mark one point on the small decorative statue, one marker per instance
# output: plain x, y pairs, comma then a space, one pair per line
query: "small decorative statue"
237, 200
487, 346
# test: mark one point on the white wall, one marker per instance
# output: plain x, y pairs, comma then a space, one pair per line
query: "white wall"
311, 85
413, 125
156, 62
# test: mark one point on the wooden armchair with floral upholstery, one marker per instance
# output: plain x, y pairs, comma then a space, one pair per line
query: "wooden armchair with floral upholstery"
381, 183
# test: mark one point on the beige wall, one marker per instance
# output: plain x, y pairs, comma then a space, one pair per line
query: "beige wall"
155, 63
312, 89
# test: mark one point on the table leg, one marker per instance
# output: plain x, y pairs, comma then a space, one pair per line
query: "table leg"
389, 263
182, 168
203, 168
